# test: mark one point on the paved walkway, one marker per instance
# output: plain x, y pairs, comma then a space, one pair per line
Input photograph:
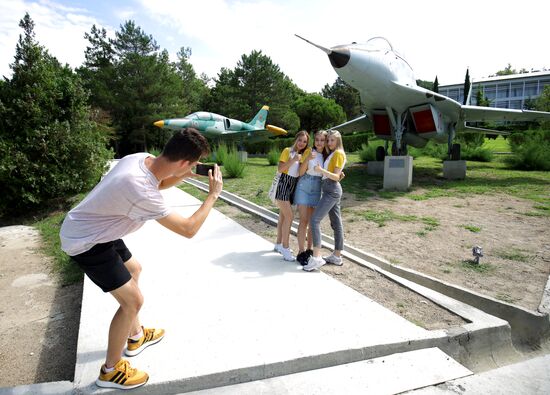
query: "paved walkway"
233, 310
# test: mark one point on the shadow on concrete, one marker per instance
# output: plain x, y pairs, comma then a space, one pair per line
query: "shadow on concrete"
58, 353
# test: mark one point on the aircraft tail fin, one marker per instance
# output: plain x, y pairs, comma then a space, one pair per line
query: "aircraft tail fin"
259, 120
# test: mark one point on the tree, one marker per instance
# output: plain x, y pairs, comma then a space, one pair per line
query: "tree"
255, 81
424, 84
345, 96
436, 85
467, 86
317, 112
134, 84
508, 70
195, 90
49, 147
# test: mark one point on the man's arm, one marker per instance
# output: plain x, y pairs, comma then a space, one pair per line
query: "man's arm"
188, 227
171, 181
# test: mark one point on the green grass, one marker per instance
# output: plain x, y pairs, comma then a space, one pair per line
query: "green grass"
472, 228
479, 268
49, 226
381, 217
513, 254
500, 144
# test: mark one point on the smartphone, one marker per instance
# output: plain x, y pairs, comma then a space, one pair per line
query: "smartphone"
202, 169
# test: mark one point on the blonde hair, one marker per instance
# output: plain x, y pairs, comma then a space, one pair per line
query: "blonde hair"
339, 143
298, 135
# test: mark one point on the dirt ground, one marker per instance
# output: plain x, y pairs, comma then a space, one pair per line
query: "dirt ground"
39, 319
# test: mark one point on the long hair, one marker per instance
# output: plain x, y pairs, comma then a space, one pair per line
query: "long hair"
339, 143
298, 135
324, 133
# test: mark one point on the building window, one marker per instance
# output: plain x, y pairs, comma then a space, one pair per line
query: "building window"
515, 104
503, 91
531, 89
517, 90
490, 92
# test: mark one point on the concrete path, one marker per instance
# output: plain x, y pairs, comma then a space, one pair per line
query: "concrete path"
234, 311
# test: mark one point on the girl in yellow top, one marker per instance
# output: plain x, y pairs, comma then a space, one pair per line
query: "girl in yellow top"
289, 165
331, 194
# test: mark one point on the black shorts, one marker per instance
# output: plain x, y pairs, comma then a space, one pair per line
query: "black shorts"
104, 264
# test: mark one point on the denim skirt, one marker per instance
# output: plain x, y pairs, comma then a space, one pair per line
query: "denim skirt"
308, 191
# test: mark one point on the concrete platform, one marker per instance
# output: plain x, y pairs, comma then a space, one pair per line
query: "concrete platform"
235, 312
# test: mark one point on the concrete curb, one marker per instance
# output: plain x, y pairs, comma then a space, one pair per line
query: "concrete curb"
54, 388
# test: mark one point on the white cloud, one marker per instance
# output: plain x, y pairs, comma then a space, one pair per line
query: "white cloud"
60, 29
435, 40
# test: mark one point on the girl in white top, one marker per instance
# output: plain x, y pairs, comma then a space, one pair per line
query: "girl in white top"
289, 165
308, 193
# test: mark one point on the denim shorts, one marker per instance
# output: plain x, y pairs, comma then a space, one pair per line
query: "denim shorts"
308, 191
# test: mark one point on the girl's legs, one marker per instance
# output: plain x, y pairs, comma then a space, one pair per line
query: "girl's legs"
320, 212
303, 227
337, 227
309, 235
285, 219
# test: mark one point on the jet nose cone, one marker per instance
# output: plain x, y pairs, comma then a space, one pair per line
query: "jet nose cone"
339, 56
159, 124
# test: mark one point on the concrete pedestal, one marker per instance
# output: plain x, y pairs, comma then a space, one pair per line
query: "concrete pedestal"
375, 168
398, 172
243, 156
454, 169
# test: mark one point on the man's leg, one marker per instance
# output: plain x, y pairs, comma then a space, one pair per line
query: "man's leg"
134, 267
130, 299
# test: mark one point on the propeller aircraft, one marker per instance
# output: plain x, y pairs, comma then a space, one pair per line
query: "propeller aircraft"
217, 126
399, 110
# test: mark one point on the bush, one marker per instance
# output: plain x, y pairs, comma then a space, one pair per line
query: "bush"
477, 154
221, 154
530, 150
273, 156
355, 142
367, 153
234, 168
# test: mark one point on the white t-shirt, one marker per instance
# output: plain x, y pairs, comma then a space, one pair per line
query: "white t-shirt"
120, 204
318, 160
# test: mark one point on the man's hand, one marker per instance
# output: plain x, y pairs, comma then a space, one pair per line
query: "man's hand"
215, 181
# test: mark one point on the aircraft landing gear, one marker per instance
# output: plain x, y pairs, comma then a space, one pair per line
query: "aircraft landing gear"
455, 152
398, 151
380, 153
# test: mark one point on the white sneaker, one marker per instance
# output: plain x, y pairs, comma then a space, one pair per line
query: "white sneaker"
277, 248
313, 263
335, 260
287, 254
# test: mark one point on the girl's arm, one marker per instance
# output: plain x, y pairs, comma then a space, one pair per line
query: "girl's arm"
333, 176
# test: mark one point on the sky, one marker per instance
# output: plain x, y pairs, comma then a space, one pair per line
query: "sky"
441, 38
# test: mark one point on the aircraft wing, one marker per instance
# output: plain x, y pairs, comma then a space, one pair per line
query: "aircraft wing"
360, 124
482, 114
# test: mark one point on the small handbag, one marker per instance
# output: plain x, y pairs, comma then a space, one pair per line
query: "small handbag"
273, 188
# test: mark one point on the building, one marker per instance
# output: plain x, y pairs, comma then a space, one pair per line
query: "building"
507, 91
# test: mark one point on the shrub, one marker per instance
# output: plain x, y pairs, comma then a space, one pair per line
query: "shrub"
477, 154
354, 142
233, 166
367, 153
530, 150
221, 154
273, 156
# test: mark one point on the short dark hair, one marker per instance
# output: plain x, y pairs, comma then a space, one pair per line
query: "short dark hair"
186, 144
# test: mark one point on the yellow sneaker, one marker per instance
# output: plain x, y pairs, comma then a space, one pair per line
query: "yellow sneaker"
123, 377
150, 337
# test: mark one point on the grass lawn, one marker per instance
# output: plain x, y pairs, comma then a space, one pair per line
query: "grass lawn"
428, 182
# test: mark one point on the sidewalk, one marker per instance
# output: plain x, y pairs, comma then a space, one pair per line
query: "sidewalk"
234, 311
